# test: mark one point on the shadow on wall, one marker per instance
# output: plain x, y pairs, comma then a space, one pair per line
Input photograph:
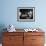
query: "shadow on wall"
2, 26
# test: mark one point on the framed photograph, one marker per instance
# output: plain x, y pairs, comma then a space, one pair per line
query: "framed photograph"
26, 14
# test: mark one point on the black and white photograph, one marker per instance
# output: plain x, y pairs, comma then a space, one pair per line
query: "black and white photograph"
26, 14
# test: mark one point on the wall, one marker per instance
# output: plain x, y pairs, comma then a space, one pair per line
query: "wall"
9, 13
